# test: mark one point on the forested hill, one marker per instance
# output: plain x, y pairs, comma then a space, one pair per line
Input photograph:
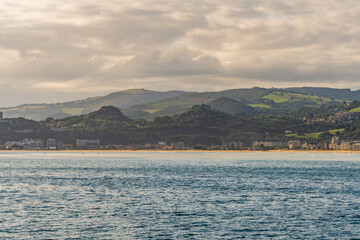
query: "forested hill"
201, 124
122, 100
141, 103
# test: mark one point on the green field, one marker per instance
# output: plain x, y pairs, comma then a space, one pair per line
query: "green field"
73, 111
315, 134
279, 97
258, 105
154, 110
355, 110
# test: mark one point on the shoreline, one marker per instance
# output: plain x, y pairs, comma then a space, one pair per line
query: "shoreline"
181, 151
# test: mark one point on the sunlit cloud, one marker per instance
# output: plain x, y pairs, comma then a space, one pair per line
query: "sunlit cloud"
70, 49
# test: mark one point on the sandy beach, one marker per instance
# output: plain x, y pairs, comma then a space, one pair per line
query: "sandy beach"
183, 151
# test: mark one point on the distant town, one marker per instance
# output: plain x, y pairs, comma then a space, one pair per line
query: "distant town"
94, 144
200, 128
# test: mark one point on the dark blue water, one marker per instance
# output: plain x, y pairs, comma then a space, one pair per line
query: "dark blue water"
179, 196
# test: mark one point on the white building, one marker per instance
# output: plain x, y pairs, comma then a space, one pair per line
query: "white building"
178, 145
51, 144
91, 143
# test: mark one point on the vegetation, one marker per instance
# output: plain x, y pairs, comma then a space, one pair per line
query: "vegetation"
141, 103
201, 124
259, 105
196, 118
315, 134
282, 97
355, 109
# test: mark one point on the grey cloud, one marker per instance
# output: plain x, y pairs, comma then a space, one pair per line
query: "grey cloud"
196, 45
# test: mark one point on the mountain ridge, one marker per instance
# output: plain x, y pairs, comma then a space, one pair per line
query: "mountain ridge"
148, 104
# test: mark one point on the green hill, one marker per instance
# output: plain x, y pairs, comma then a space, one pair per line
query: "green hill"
141, 103
343, 94
250, 101
174, 105
122, 99
231, 106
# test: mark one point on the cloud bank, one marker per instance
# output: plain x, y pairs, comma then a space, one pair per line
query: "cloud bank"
51, 51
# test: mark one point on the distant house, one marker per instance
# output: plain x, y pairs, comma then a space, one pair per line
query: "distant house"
345, 146
33, 144
14, 144
269, 144
88, 143
51, 144
294, 144
58, 130
335, 143
60, 144
236, 145
24, 131
178, 145
356, 146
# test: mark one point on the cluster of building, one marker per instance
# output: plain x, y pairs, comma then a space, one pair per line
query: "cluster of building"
164, 146
226, 146
50, 144
34, 144
340, 117
336, 144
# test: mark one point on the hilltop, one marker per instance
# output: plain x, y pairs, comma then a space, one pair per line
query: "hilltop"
141, 103
121, 100
201, 124
251, 101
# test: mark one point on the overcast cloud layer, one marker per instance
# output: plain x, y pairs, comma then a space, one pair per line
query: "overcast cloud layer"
51, 51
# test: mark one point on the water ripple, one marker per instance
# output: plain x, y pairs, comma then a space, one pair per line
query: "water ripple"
179, 196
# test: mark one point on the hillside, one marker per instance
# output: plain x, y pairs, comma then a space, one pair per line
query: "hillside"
201, 124
122, 99
344, 94
250, 101
174, 105
231, 106
141, 103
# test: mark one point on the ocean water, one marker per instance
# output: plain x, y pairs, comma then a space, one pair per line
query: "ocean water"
179, 195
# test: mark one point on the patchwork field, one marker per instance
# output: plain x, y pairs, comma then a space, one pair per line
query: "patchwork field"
315, 134
281, 97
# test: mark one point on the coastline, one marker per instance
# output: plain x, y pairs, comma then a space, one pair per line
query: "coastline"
180, 151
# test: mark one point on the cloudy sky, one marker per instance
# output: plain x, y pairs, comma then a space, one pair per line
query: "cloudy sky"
54, 51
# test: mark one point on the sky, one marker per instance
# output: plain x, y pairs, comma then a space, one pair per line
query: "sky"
51, 51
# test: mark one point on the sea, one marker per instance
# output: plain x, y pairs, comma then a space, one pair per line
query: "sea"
179, 195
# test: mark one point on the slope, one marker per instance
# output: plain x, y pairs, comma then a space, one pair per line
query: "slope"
122, 99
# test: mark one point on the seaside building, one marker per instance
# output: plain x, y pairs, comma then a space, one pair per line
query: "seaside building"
14, 144
345, 146
178, 145
51, 144
309, 146
32, 144
269, 144
355, 146
294, 144
335, 143
88, 143
236, 145
60, 145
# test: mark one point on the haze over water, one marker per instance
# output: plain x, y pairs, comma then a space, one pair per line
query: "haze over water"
179, 195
